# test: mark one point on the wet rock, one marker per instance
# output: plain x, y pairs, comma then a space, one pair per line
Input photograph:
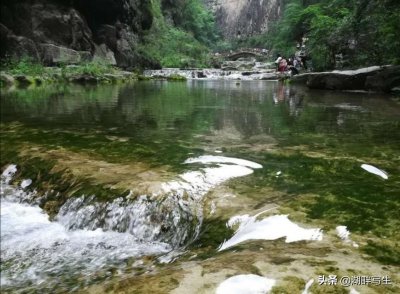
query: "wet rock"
23, 80
269, 76
83, 79
385, 80
6, 79
249, 73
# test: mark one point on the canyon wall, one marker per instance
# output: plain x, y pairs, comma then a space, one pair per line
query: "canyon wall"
244, 18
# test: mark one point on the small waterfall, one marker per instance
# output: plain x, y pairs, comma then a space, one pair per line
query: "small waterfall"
257, 73
91, 237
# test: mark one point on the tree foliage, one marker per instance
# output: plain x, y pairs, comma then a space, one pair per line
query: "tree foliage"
181, 35
364, 31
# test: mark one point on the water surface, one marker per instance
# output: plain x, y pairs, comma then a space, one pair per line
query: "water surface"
116, 138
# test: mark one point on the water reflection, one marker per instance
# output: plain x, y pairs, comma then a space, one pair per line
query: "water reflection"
160, 108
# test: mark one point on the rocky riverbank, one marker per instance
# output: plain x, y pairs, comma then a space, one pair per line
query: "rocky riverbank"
35, 75
374, 78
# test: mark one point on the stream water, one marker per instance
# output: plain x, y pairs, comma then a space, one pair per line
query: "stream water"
164, 154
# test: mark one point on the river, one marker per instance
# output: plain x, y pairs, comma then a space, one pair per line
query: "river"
159, 187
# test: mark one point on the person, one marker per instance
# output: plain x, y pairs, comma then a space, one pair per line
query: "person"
291, 66
282, 65
278, 61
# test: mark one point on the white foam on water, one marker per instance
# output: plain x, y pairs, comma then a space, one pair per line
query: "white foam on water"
198, 183
270, 228
374, 170
8, 173
246, 284
308, 285
26, 183
43, 247
205, 159
343, 233
89, 236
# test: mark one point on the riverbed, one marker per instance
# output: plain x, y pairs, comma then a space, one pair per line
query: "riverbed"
200, 186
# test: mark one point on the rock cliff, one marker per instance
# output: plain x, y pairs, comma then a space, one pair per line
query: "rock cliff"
243, 18
57, 31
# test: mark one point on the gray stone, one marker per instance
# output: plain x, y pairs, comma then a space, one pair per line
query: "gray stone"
376, 78
17, 46
385, 80
53, 54
244, 18
103, 54
67, 31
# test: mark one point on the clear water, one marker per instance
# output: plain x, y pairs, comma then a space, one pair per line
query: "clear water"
305, 141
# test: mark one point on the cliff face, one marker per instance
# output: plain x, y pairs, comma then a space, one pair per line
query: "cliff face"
57, 31
243, 18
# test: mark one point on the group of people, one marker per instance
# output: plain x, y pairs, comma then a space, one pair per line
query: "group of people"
292, 64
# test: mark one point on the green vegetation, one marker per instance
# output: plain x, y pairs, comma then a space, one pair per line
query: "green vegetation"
186, 41
365, 32
23, 66
26, 66
28, 72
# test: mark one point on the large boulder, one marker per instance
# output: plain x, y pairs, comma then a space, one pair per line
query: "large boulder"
60, 25
104, 54
17, 46
385, 80
376, 78
52, 54
72, 31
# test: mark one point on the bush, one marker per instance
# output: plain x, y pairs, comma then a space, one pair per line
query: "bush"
23, 66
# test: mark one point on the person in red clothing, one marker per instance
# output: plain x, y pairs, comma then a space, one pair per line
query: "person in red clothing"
282, 65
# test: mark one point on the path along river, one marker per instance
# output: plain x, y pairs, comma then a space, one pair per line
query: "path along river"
159, 187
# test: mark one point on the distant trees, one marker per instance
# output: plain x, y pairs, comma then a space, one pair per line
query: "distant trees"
366, 32
182, 33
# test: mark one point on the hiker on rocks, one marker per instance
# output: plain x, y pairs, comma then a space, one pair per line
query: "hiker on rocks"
282, 65
278, 61
293, 70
